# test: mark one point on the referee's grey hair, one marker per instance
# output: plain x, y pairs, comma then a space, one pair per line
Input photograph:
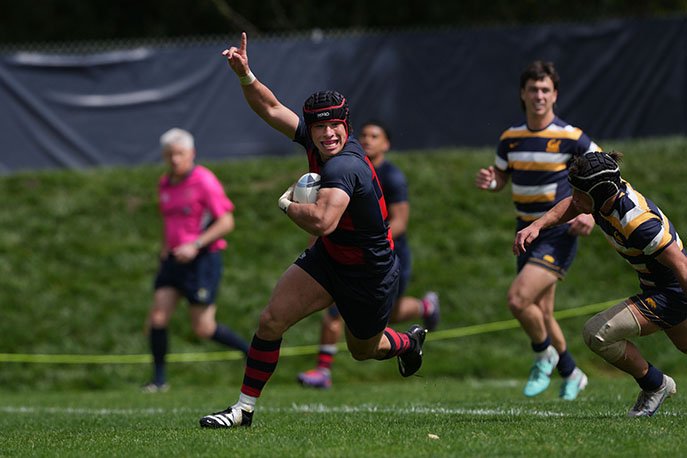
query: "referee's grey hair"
177, 136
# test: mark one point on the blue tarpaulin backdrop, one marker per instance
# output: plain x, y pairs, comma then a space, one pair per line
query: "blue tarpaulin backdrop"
442, 88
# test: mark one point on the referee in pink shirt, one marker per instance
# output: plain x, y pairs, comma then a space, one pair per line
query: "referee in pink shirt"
197, 214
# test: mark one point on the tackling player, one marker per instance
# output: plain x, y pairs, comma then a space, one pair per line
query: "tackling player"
647, 240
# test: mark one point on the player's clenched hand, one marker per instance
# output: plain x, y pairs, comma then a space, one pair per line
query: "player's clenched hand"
523, 239
238, 57
485, 178
581, 224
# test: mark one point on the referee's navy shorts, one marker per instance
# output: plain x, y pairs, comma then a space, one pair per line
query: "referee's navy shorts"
198, 280
364, 299
554, 249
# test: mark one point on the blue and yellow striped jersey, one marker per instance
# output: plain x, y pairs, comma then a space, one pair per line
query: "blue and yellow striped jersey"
537, 162
639, 231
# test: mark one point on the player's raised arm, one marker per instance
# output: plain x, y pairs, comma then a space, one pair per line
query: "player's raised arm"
259, 97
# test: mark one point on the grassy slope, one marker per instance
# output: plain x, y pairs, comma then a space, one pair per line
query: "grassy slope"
79, 251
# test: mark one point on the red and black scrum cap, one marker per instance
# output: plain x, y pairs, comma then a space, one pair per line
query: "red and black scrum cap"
326, 106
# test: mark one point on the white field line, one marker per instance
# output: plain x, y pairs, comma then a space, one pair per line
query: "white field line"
316, 409
294, 408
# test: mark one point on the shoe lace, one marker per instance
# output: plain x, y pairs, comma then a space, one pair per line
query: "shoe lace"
542, 365
642, 401
319, 373
537, 374
570, 386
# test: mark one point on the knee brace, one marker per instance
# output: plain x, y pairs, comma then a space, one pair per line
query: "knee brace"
605, 332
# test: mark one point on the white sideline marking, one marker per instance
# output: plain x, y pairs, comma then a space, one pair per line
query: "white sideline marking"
496, 383
368, 408
88, 411
315, 408
299, 408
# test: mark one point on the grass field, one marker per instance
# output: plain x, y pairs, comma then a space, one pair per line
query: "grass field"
418, 417
78, 257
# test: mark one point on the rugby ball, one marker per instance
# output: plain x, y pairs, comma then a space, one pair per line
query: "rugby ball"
307, 186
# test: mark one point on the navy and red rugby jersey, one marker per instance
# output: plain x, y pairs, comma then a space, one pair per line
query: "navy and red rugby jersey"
362, 237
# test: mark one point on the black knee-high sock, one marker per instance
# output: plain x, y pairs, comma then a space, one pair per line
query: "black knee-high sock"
263, 356
227, 337
158, 346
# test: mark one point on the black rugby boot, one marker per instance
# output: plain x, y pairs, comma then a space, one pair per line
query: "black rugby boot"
410, 362
231, 417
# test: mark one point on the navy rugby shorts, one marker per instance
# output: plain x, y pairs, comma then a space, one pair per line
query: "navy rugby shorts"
664, 307
554, 249
363, 299
198, 280
405, 261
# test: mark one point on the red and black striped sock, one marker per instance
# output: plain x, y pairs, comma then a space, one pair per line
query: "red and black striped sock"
325, 359
263, 356
400, 342
427, 307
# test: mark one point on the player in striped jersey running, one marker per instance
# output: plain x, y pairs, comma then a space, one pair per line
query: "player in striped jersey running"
648, 241
535, 156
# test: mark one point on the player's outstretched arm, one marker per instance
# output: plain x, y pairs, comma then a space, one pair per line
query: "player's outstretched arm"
259, 97
525, 237
582, 225
562, 212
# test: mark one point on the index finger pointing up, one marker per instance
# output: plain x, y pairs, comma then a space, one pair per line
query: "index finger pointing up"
244, 42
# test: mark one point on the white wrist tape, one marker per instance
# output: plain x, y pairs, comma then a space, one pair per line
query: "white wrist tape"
284, 204
285, 199
247, 79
